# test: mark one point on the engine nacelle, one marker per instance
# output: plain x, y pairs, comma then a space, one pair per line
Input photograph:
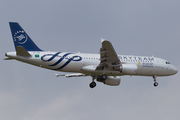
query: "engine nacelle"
111, 80
129, 69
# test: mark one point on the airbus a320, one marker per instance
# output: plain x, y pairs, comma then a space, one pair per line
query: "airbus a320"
105, 67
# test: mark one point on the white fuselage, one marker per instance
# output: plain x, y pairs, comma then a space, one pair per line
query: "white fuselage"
87, 63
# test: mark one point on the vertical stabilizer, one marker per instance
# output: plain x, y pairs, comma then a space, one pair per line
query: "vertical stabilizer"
21, 38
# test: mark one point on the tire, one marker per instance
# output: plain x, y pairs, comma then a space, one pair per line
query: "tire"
155, 84
92, 85
103, 77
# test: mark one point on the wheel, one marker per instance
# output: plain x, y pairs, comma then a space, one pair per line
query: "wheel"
103, 77
155, 84
92, 85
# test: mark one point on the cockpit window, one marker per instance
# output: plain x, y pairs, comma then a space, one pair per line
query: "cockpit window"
167, 62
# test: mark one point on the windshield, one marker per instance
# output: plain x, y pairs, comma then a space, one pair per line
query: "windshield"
167, 62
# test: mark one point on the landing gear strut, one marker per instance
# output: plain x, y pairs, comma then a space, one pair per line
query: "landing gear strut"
155, 83
100, 79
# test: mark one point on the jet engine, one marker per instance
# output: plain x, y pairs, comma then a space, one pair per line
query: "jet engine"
111, 80
129, 69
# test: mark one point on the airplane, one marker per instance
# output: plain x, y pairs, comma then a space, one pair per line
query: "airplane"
105, 67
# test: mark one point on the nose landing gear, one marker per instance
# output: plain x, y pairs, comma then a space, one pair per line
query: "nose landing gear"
155, 83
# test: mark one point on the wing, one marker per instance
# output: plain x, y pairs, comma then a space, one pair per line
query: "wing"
108, 57
71, 75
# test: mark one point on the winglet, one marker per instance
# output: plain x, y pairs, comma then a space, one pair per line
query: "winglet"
102, 39
57, 75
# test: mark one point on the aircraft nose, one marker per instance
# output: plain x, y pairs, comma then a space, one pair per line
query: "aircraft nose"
175, 70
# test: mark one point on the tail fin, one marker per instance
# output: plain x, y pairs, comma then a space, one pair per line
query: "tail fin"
21, 38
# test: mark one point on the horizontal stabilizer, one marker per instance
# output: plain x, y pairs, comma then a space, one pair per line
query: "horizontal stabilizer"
57, 75
71, 75
21, 51
8, 59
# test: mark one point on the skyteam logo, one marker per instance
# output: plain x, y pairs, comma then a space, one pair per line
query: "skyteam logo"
20, 37
58, 58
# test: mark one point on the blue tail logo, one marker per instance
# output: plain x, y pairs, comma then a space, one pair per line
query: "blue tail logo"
21, 38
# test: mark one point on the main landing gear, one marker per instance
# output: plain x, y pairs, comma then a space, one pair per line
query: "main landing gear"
155, 83
101, 78
92, 84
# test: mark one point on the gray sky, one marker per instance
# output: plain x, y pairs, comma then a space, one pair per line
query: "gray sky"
149, 27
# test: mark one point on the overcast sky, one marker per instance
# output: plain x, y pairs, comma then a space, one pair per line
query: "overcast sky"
135, 27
